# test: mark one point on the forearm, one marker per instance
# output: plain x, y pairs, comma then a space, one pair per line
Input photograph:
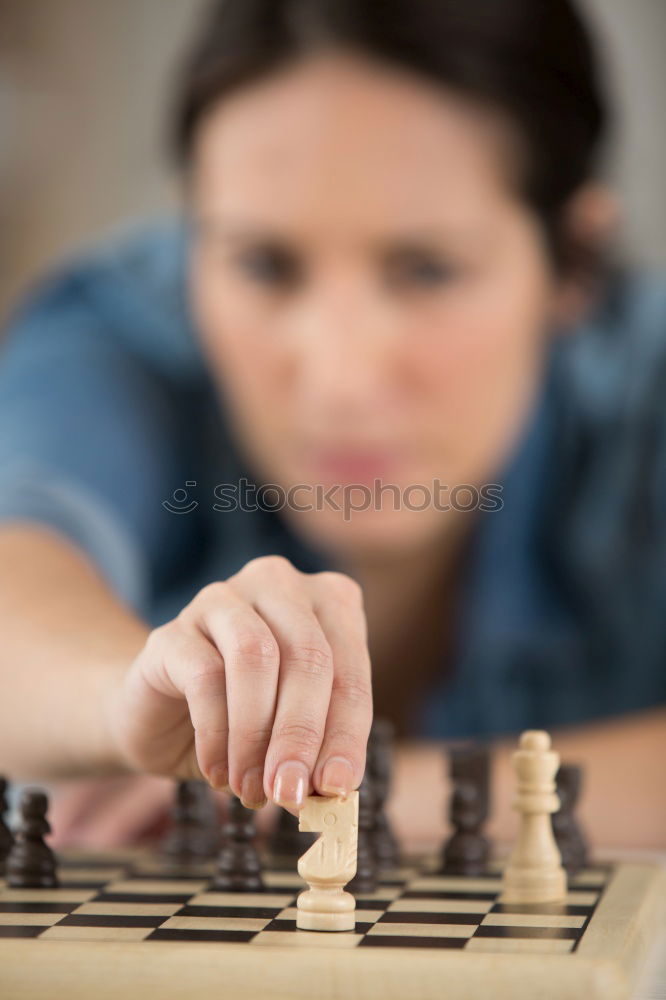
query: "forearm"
623, 799
66, 641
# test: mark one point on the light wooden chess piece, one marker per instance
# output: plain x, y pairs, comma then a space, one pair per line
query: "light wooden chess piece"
329, 864
534, 873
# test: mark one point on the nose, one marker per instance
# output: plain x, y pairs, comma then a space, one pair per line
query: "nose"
345, 352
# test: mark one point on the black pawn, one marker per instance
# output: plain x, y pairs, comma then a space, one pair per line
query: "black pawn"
568, 835
238, 864
194, 834
287, 842
31, 863
365, 880
379, 766
6, 839
466, 851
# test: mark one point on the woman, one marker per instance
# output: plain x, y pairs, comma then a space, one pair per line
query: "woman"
392, 272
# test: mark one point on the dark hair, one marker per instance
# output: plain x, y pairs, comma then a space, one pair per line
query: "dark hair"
531, 59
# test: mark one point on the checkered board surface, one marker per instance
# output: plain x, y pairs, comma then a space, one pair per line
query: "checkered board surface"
118, 899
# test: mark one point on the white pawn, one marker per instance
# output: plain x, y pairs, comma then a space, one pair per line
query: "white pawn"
534, 873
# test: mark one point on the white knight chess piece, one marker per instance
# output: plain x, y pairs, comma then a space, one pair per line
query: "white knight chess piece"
329, 864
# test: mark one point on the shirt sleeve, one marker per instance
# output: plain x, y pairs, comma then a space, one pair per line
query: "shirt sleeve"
89, 442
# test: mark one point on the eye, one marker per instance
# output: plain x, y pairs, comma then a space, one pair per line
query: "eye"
270, 265
422, 269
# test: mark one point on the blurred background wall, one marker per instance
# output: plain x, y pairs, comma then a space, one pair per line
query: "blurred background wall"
84, 86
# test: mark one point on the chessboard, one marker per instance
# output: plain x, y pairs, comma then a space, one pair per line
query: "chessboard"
129, 925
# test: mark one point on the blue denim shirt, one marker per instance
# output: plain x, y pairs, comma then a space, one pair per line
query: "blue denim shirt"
107, 409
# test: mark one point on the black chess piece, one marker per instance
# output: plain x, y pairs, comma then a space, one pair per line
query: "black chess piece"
568, 834
379, 766
466, 852
287, 842
6, 839
365, 879
195, 830
31, 864
238, 864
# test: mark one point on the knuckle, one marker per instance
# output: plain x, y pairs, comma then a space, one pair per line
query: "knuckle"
311, 658
272, 565
350, 740
255, 738
212, 593
344, 588
210, 734
160, 638
302, 735
355, 689
255, 651
204, 676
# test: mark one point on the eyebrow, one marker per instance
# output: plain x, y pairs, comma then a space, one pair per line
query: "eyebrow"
231, 229
242, 231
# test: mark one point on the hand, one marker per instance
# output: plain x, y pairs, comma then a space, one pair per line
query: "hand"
108, 812
102, 813
261, 684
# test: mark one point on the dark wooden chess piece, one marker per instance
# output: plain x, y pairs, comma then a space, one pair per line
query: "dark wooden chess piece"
195, 830
379, 766
31, 864
568, 834
238, 864
466, 851
365, 880
287, 843
6, 839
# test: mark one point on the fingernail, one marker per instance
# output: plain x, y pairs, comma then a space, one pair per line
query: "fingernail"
291, 784
337, 778
252, 788
219, 777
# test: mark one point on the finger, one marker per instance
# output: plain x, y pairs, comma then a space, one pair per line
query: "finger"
341, 761
178, 663
251, 661
304, 687
203, 679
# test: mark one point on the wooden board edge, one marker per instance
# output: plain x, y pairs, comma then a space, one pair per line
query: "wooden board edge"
626, 921
108, 970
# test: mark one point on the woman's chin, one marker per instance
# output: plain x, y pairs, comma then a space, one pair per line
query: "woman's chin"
355, 533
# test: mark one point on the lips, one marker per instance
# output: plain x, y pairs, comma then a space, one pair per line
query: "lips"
353, 465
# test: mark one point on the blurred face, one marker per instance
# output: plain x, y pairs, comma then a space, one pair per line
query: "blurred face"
371, 295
